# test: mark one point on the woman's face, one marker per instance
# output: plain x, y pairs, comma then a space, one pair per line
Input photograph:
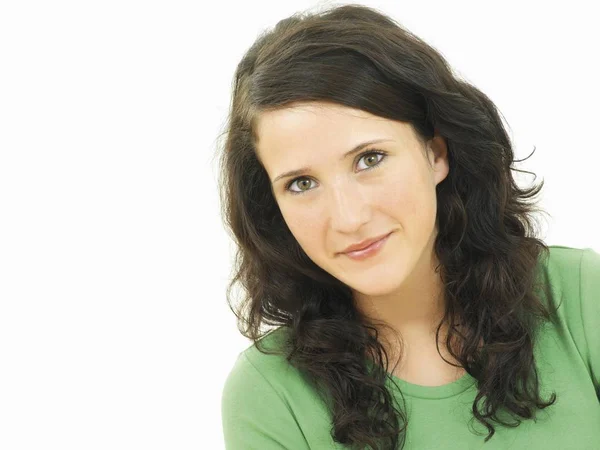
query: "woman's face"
335, 201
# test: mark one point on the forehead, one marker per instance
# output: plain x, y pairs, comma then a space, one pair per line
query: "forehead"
320, 127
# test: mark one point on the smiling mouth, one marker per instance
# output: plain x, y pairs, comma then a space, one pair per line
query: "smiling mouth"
368, 251
365, 247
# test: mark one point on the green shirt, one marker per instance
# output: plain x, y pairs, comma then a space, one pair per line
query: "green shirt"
268, 405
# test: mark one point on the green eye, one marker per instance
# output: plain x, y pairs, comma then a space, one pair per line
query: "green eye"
367, 153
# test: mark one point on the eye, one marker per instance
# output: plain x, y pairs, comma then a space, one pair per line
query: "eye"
368, 153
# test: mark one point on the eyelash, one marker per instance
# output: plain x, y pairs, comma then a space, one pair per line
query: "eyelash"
359, 157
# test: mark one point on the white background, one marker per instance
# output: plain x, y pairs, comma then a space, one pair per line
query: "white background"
114, 330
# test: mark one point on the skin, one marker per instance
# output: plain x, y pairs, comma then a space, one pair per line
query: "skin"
344, 201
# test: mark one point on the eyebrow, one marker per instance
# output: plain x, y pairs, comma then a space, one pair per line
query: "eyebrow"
302, 170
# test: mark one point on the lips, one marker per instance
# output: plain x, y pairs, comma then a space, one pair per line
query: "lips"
364, 244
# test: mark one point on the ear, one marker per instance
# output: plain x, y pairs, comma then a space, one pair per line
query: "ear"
438, 154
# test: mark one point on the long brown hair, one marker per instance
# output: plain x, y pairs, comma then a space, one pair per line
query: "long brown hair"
356, 56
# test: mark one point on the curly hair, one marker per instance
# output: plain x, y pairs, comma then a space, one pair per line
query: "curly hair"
356, 56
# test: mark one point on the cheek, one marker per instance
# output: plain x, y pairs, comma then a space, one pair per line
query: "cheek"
400, 200
409, 202
304, 224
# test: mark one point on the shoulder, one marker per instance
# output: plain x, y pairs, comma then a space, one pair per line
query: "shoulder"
272, 365
572, 276
259, 373
265, 400
561, 270
570, 270
563, 259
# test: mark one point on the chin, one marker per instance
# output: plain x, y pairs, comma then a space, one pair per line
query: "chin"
377, 290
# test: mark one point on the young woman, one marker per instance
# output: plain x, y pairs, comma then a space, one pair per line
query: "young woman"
382, 238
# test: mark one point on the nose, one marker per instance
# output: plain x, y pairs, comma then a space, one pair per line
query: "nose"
349, 207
